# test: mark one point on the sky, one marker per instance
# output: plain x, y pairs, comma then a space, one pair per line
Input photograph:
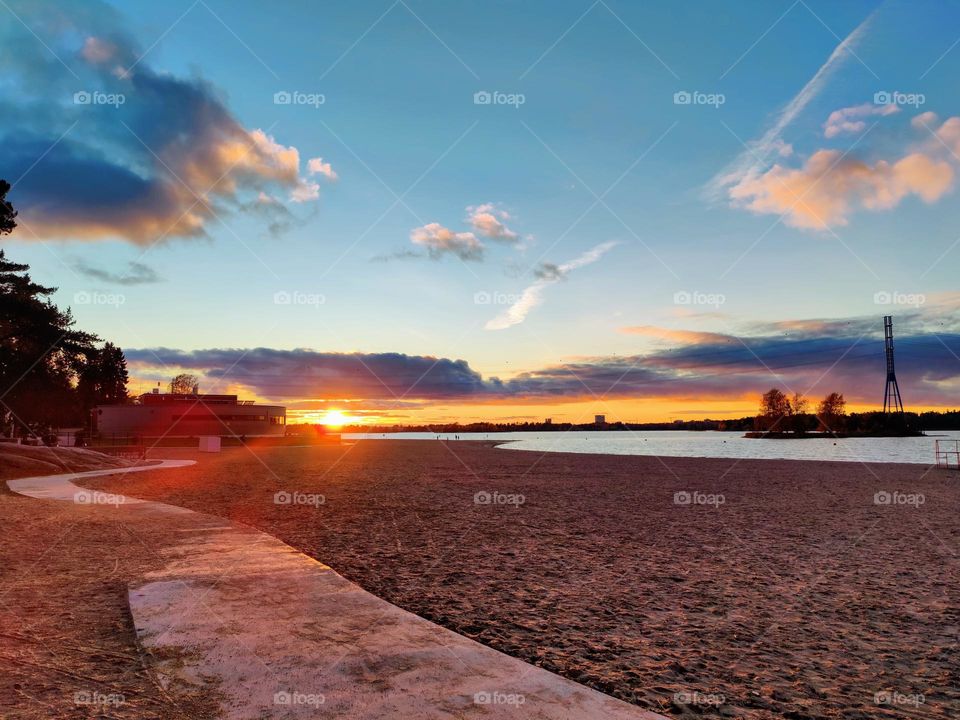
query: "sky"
421, 211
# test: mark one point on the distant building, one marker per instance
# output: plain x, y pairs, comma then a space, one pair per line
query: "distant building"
599, 419
189, 415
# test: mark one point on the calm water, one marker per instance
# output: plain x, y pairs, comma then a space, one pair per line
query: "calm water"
702, 444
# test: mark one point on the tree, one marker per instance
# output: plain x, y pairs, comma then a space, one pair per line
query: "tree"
41, 353
797, 412
7, 213
103, 380
184, 384
774, 407
832, 412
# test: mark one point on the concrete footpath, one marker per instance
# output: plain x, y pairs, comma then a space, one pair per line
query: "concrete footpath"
279, 635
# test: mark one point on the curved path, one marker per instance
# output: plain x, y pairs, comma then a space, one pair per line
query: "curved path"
284, 636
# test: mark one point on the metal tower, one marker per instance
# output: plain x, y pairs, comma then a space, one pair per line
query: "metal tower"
891, 394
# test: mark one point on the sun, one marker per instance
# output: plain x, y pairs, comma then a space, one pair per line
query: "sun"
334, 418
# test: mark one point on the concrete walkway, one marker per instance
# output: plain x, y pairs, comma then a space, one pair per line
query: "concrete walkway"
284, 636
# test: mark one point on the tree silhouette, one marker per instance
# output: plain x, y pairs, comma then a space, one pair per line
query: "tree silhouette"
41, 353
184, 383
7, 213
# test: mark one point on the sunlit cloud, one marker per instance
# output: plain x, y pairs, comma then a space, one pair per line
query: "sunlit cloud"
166, 152
438, 241
852, 119
488, 220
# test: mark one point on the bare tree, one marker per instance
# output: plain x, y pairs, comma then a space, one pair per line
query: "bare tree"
184, 384
832, 412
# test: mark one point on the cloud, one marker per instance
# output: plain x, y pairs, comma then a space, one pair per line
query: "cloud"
829, 187
850, 119
548, 271
137, 273
316, 166
117, 149
807, 355
756, 157
438, 241
487, 220
532, 296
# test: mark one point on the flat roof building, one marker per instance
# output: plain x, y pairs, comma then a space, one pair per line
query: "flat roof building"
189, 415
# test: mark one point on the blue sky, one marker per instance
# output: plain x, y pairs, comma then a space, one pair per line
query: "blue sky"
598, 155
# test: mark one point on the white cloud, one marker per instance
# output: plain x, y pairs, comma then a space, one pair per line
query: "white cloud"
439, 240
532, 296
924, 120
850, 119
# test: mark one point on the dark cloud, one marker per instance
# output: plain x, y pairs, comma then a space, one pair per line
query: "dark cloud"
548, 271
137, 273
813, 357
98, 144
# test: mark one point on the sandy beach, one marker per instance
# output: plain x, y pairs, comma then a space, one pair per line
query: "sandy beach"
755, 589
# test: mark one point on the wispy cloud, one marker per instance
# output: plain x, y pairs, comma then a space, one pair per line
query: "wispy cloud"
756, 157
137, 273
439, 241
532, 296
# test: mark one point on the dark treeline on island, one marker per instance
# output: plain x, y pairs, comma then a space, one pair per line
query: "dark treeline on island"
780, 416
856, 424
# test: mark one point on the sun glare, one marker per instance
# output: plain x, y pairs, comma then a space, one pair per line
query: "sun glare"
334, 418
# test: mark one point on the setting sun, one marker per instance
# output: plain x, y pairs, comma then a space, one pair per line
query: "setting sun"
334, 418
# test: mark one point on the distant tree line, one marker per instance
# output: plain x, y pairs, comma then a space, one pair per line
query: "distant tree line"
51, 373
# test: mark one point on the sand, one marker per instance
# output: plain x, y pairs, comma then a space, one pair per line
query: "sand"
799, 596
